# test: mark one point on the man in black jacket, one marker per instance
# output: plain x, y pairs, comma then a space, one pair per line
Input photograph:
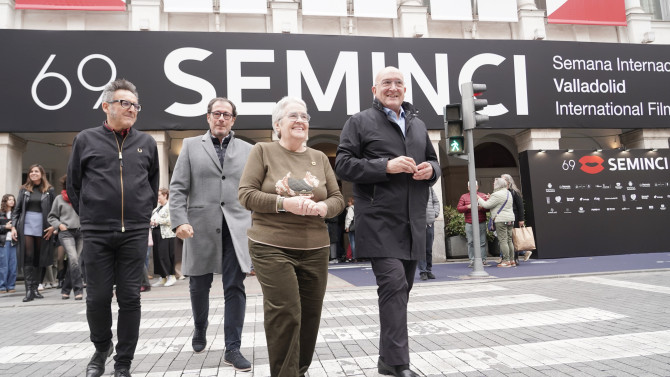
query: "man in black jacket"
387, 154
113, 185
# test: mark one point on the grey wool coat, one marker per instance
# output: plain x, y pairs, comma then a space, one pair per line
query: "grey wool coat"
201, 191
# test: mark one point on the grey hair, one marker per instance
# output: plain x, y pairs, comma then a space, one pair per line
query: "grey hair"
280, 108
499, 183
118, 84
510, 181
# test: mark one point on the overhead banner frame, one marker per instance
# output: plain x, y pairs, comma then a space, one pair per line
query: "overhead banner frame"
55, 84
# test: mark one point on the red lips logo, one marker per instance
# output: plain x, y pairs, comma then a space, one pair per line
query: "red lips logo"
591, 164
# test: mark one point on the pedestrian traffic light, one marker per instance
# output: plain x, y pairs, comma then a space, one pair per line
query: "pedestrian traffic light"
471, 105
453, 120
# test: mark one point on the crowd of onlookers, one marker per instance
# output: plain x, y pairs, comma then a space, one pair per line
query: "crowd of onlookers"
40, 235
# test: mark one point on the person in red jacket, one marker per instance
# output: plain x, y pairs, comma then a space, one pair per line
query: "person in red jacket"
464, 208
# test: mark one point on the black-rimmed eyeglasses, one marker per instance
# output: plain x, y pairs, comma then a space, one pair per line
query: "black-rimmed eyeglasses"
218, 115
126, 104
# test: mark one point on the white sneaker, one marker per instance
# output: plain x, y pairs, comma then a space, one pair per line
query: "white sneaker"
170, 281
527, 255
159, 283
40, 287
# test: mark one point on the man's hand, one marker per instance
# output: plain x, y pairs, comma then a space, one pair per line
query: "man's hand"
184, 231
424, 171
62, 227
48, 232
402, 164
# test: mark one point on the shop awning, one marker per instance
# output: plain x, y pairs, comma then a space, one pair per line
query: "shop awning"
98, 5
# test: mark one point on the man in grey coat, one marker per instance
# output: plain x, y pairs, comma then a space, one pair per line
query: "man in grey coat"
386, 153
206, 214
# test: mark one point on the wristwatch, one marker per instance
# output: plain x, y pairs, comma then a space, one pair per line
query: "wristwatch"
280, 204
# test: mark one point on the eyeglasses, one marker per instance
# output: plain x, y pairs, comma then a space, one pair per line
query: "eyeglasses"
294, 117
388, 83
218, 114
126, 104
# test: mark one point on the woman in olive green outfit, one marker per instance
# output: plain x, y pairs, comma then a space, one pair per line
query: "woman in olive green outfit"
290, 189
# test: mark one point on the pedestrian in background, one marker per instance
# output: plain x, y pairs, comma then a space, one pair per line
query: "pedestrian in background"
519, 218
164, 241
290, 189
64, 218
113, 176
386, 153
7, 246
432, 212
464, 207
350, 227
32, 230
500, 204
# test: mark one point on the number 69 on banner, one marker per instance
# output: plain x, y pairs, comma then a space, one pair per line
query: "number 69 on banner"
43, 74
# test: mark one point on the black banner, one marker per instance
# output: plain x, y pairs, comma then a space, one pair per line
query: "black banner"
52, 80
586, 203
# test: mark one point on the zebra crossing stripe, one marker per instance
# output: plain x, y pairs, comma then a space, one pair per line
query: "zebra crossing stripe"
149, 305
625, 284
332, 312
346, 333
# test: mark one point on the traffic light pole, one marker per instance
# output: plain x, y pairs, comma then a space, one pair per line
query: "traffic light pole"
469, 123
478, 266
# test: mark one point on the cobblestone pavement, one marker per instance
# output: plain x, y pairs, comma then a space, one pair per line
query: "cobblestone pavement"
604, 324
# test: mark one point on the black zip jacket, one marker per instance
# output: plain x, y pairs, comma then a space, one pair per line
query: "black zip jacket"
112, 182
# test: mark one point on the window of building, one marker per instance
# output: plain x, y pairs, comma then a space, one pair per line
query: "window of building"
660, 9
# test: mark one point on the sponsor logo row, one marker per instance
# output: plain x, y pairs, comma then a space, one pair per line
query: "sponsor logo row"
638, 207
629, 186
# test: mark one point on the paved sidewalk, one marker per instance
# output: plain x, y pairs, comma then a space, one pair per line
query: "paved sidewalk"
601, 316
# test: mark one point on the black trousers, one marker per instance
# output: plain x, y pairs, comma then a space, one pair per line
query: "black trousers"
114, 258
234, 294
163, 254
395, 278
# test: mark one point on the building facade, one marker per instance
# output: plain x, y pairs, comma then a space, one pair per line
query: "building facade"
496, 149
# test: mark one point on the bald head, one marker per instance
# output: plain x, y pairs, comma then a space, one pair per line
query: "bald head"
387, 70
390, 88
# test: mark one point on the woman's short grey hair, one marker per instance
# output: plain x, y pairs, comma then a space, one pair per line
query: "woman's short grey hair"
499, 183
280, 108
119, 84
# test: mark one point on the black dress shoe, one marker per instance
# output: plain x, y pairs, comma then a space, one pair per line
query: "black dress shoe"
199, 341
394, 370
430, 275
96, 367
122, 372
